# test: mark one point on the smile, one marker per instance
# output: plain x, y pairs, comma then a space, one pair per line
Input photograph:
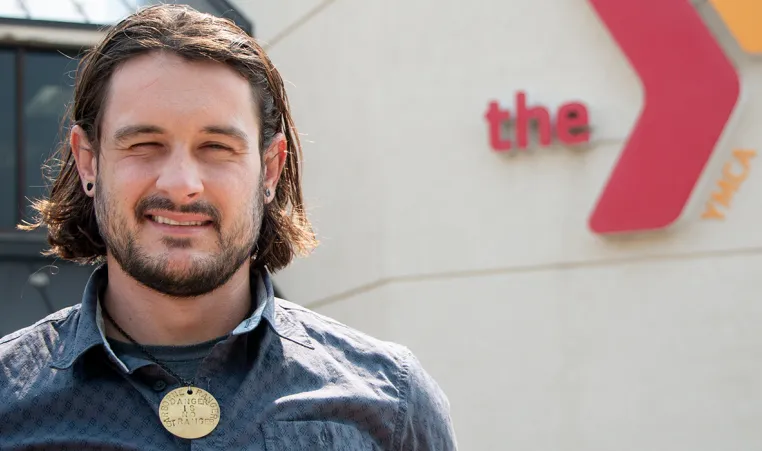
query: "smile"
163, 220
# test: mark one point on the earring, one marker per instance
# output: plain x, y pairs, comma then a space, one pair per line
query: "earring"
89, 187
267, 193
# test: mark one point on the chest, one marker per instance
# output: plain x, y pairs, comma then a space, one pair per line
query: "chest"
123, 412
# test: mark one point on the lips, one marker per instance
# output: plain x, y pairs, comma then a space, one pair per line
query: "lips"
174, 219
167, 221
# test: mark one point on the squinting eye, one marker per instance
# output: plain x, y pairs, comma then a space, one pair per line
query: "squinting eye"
217, 146
148, 144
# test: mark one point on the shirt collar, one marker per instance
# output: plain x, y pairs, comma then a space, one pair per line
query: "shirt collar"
89, 331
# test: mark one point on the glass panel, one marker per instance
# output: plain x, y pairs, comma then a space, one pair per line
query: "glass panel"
105, 11
48, 89
12, 9
102, 12
58, 10
8, 201
207, 6
201, 5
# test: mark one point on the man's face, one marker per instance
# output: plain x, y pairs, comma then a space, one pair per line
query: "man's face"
179, 187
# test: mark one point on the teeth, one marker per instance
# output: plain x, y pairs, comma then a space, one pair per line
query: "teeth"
163, 220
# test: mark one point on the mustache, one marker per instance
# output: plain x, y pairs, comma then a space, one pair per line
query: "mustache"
162, 203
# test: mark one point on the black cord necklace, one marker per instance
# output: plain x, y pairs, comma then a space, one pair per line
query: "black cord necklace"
187, 412
145, 351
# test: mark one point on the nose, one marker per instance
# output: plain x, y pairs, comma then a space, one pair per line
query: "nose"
180, 177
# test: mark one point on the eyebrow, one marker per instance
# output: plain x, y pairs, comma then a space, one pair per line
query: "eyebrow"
232, 132
133, 130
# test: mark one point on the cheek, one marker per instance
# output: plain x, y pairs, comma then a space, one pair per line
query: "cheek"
239, 176
233, 190
126, 184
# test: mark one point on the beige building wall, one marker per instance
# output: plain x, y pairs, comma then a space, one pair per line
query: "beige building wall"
543, 335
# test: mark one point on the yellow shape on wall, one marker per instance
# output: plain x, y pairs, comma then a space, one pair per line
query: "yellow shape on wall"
743, 18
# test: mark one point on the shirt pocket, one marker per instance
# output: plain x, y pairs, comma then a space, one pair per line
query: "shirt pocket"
316, 435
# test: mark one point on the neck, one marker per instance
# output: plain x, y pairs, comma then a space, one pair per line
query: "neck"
153, 318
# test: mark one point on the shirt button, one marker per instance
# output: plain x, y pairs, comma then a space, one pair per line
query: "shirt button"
159, 385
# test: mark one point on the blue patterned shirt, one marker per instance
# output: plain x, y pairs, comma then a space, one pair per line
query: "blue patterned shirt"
286, 379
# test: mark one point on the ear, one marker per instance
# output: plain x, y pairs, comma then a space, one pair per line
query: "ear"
87, 163
274, 160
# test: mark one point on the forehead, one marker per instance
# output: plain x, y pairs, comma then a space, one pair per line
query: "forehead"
165, 90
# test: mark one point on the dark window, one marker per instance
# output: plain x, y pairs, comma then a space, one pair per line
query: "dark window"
36, 87
48, 89
8, 207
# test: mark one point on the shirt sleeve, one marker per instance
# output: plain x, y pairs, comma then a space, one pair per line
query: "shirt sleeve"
424, 422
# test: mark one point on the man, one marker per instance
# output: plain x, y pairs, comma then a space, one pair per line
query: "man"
181, 175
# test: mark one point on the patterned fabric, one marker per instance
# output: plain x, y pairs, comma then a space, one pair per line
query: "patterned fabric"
183, 360
286, 379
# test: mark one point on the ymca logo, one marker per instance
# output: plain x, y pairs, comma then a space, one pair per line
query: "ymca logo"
691, 89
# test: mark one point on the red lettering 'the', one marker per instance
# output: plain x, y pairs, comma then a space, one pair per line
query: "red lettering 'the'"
571, 125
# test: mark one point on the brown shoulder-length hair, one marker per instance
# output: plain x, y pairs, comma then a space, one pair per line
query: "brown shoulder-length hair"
68, 213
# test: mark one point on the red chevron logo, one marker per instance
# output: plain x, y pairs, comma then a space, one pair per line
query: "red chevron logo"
691, 89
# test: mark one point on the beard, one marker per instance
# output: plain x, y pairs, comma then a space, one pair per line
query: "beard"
203, 274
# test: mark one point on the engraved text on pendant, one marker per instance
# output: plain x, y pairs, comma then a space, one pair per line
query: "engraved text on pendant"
187, 415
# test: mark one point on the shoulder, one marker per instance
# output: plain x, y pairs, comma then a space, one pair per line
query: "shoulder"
37, 330
24, 353
328, 334
422, 419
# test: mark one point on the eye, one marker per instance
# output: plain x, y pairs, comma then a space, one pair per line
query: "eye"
217, 146
145, 144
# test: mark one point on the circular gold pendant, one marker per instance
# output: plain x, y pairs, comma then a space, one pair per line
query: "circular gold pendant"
189, 412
